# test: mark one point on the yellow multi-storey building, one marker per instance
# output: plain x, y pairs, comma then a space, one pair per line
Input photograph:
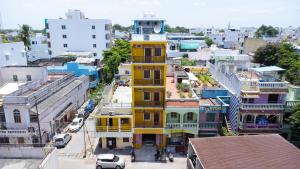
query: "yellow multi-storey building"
148, 92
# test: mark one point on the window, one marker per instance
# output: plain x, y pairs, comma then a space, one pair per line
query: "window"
93, 27
15, 78
125, 140
48, 35
146, 74
107, 36
64, 36
4, 140
273, 98
147, 116
210, 117
32, 42
157, 52
94, 45
17, 116
28, 77
107, 45
49, 44
173, 115
33, 117
95, 54
50, 52
93, 36
65, 45
190, 116
2, 116
107, 27
63, 26
146, 96
124, 121
127, 72
21, 140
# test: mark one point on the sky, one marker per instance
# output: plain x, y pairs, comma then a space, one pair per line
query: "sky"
188, 13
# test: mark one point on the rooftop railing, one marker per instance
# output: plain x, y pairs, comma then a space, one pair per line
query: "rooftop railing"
267, 106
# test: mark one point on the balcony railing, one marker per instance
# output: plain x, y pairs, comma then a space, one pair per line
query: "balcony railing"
290, 105
260, 126
209, 125
149, 82
148, 125
113, 129
273, 85
182, 125
149, 104
267, 106
13, 133
152, 59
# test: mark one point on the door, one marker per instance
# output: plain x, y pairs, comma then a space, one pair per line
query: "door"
148, 55
156, 98
110, 122
157, 77
156, 118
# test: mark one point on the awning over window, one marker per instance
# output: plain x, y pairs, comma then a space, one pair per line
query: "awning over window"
189, 45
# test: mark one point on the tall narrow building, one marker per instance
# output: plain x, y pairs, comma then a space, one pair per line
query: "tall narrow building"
148, 81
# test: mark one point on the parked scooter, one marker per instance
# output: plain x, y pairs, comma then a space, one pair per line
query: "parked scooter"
157, 155
133, 155
170, 156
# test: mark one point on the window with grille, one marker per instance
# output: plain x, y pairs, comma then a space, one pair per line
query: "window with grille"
17, 116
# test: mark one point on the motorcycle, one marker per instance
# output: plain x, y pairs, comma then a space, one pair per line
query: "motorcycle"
133, 158
170, 156
157, 155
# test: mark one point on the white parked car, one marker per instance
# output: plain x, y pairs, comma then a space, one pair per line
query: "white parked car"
76, 124
61, 140
109, 161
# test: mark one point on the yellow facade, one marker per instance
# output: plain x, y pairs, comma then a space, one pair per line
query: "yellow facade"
148, 91
114, 124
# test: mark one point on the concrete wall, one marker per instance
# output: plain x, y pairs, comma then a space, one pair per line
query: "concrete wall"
12, 54
36, 73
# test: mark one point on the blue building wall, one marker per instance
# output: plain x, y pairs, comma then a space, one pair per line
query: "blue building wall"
210, 93
78, 70
221, 96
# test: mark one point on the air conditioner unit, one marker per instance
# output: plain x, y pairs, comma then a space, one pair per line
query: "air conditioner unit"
138, 46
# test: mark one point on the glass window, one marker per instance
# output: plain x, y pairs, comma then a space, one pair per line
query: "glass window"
124, 121
125, 140
93, 27
190, 116
64, 36
157, 52
28, 77
146, 96
63, 26
107, 27
94, 45
95, 54
2, 116
147, 116
93, 36
210, 117
173, 115
146, 74
15, 78
17, 116
65, 45
4, 140
33, 117
107, 36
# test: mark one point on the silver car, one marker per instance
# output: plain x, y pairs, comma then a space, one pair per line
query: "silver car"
109, 161
61, 140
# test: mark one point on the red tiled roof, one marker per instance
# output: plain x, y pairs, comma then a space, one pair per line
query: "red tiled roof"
182, 103
247, 152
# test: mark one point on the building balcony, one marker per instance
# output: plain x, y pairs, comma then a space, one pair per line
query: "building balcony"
148, 37
266, 106
289, 105
252, 126
149, 104
14, 133
150, 59
148, 82
182, 125
273, 85
113, 129
209, 126
148, 125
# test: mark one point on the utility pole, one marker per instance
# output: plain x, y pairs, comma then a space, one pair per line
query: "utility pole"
39, 126
84, 155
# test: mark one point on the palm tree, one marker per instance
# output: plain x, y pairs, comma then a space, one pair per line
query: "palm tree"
24, 35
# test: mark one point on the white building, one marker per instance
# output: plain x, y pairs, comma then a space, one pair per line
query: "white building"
28, 91
77, 33
38, 48
12, 54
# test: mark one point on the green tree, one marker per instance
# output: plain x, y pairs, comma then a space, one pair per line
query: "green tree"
199, 34
177, 29
266, 31
112, 58
24, 35
294, 119
283, 55
208, 41
122, 28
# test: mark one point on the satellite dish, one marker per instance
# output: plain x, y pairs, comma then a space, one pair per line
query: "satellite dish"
157, 28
